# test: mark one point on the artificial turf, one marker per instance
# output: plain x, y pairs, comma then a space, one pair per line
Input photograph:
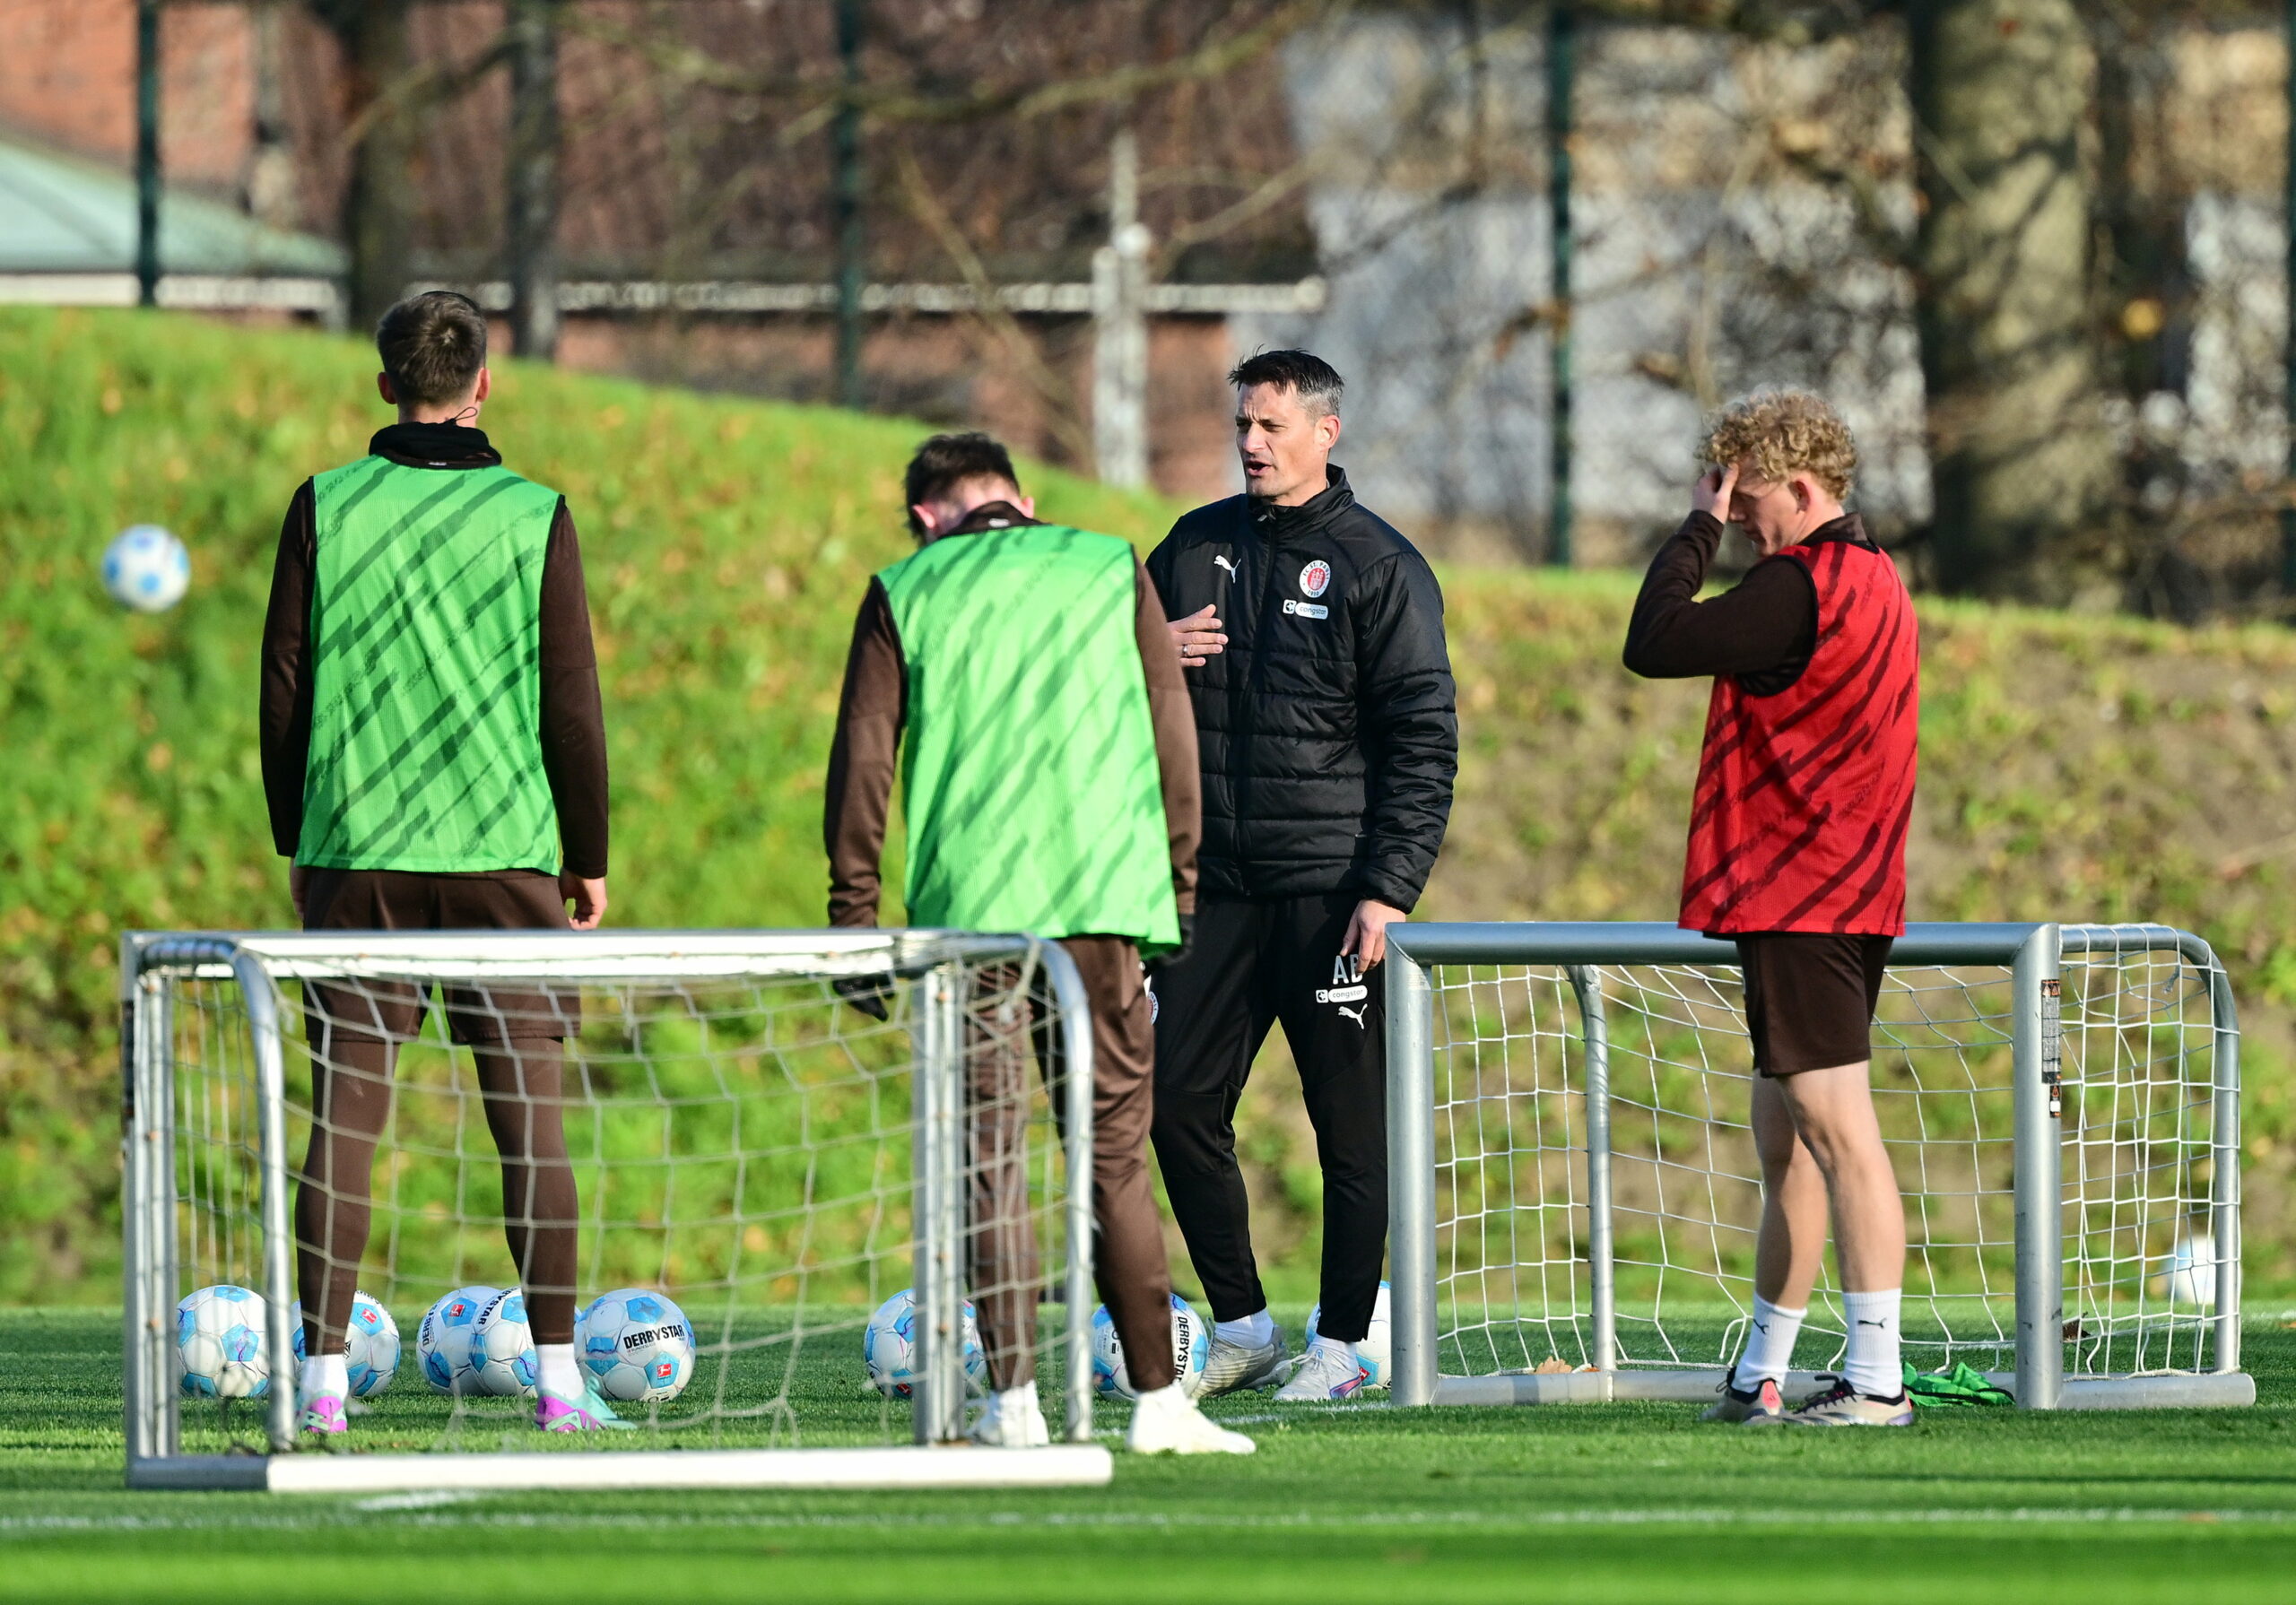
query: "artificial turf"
1345, 1503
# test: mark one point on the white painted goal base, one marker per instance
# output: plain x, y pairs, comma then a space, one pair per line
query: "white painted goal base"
1063, 1465
2230, 1390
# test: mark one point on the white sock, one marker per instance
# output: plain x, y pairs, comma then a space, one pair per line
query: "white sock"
1338, 1351
559, 1375
1019, 1400
1253, 1332
1769, 1352
1871, 1364
329, 1374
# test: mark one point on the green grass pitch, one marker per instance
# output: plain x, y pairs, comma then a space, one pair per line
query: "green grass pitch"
1342, 1504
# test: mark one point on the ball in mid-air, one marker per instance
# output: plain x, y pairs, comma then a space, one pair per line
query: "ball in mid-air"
502, 1361
636, 1345
220, 1351
442, 1342
146, 568
888, 1347
371, 1358
1373, 1351
1191, 1347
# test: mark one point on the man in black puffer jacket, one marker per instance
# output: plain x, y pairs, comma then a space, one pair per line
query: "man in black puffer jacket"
1313, 634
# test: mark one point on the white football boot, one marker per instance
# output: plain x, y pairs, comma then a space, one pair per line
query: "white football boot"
1168, 1422
1842, 1405
1231, 1367
1013, 1419
1327, 1372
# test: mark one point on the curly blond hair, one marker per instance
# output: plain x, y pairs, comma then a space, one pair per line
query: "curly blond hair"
1778, 433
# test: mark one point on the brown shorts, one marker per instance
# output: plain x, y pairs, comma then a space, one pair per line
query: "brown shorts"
1810, 997
405, 900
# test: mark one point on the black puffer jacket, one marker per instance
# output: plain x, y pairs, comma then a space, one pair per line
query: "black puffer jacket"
1328, 729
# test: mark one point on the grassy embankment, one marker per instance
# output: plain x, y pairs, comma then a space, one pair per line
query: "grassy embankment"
2078, 769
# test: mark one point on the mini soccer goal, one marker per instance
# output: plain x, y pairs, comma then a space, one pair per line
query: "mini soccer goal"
758, 1163
1575, 1190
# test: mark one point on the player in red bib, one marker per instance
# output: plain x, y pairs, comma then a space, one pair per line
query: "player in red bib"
1797, 853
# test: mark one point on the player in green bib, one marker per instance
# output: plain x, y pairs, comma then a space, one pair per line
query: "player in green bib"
1021, 680
434, 758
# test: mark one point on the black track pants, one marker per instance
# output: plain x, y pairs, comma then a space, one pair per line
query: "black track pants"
1253, 964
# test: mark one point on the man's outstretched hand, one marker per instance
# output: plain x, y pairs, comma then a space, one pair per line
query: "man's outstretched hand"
1198, 636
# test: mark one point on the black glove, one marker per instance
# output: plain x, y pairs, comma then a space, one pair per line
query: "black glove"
1171, 955
866, 993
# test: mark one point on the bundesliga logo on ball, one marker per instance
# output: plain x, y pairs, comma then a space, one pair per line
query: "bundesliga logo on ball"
637, 1344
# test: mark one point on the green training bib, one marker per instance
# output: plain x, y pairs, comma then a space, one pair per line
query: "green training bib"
426, 708
1029, 773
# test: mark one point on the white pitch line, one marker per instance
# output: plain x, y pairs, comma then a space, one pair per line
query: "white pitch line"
421, 1499
431, 1516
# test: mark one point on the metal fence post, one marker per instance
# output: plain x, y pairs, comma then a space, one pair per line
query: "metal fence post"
147, 153
2039, 1170
2224, 1169
940, 1326
1411, 1178
1120, 326
1601, 1262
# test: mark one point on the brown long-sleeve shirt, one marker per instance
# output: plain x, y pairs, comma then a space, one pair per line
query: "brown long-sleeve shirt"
1763, 630
863, 758
573, 720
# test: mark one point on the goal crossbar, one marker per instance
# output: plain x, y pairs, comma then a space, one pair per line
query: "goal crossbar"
930, 966
1579, 956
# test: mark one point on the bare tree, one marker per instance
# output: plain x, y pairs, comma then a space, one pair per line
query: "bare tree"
532, 178
378, 205
2021, 459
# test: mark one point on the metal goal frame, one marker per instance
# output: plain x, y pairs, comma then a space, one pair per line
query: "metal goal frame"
2032, 953
932, 962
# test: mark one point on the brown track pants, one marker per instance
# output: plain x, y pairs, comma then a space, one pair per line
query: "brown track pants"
1129, 1259
517, 1038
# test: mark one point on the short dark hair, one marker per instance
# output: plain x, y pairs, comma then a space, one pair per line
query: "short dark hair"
1316, 382
947, 461
433, 346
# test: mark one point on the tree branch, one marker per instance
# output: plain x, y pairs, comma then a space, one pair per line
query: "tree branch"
1059, 396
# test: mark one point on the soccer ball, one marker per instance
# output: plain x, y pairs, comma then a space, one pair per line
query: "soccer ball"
637, 1345
373, 1356
146, 568
220, 1344
888, 1347
442, 1342
1373, 1350
1191, 1347
2188, 1275
502, 1361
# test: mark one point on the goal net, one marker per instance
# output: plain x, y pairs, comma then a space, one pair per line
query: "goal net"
757, 1160
1577, 1193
